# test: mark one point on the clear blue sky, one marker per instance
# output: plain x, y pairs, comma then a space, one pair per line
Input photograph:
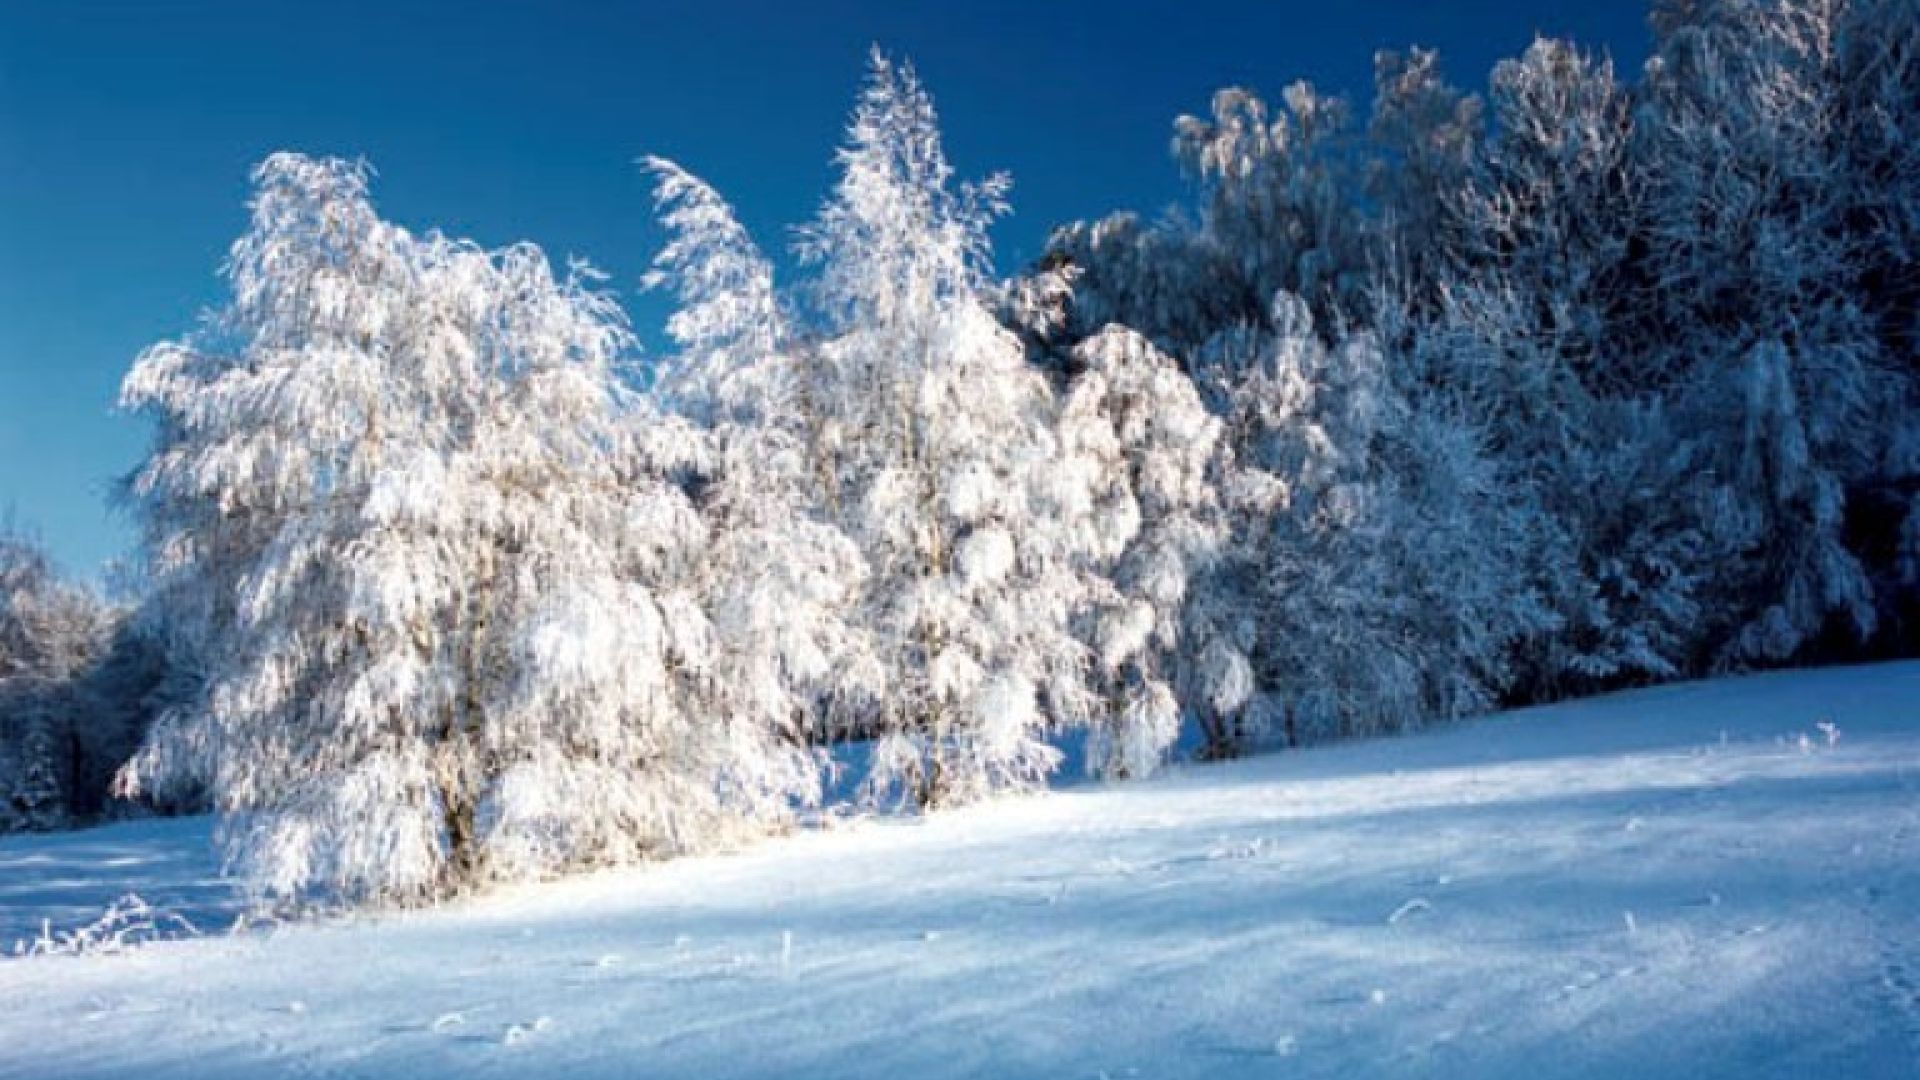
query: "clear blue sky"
127, 128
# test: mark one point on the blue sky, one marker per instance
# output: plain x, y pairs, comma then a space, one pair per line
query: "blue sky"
127, 128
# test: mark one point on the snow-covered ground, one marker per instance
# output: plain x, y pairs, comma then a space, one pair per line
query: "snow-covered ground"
1692, 881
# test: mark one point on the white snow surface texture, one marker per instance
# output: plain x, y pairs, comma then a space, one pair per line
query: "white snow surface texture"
1700, 880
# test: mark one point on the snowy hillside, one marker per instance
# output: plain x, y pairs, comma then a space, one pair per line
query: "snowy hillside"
1699, 880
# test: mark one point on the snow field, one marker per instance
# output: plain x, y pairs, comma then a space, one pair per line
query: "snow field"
1690, 881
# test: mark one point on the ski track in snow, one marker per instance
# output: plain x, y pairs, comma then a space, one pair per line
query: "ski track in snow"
1670, 882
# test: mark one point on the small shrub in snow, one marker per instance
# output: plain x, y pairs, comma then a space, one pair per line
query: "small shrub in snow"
126, 924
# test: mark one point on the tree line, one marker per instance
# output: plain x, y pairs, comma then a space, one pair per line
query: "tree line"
1579, 383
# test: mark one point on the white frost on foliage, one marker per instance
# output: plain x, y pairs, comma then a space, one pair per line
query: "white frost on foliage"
985, 557
1146, 445
433, 563
934, 442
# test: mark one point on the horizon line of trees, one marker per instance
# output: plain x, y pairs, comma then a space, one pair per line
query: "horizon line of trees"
1581, 383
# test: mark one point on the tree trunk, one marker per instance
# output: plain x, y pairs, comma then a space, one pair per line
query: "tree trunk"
463, 851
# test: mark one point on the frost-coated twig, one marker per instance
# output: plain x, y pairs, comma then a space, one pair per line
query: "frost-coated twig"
1411, 907
127, 923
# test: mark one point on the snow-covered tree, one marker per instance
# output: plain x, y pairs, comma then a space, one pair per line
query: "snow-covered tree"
1010, 540
51, 634
1378, 546
1587, 383
780, 580
729, 328
1756, 304
1878, 131
1277, 197
1549, 214
1276, 212
1152, 278
938, 454
1524, 324
1427, 140
49, 627
1144, 436
458, 635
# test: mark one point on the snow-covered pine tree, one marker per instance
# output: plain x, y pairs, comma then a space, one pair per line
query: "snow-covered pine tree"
937, 451
457, 634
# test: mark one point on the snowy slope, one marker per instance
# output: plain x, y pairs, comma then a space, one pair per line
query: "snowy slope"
1688, 881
